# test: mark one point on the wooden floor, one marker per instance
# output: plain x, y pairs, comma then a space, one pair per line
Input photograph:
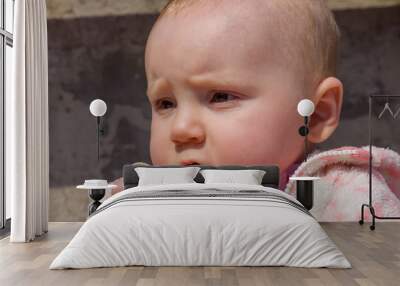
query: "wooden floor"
375, 257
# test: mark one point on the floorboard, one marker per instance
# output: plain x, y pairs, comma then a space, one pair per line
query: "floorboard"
374, 255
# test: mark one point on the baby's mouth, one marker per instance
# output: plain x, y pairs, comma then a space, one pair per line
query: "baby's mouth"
189, 163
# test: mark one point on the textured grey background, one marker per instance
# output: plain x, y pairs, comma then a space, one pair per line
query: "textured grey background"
102, 57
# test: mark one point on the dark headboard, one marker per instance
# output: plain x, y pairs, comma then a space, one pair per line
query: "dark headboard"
270, 179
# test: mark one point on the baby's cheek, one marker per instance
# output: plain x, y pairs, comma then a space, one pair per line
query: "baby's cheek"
246, 145
158, 146
257, 140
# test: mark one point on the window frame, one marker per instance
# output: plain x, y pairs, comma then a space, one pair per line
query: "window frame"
6, 39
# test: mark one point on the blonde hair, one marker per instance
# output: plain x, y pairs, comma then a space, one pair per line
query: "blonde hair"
309, 22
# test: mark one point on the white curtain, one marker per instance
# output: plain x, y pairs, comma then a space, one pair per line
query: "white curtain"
27, 140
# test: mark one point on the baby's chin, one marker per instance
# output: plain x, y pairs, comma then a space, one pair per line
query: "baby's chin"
183, 162
192, 159
193, 162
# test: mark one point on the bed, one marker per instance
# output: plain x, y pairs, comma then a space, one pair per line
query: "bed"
201, 224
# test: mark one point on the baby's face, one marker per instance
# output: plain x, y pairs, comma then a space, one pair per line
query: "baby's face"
221, 93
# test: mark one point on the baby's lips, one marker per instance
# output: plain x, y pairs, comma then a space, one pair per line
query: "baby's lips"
189, 162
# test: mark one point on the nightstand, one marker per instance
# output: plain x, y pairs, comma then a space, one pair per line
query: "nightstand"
96, 190
305, 190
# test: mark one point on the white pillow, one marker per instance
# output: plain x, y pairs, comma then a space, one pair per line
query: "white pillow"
248, 177
161, 176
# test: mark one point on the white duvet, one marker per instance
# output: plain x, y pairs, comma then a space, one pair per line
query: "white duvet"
200, 231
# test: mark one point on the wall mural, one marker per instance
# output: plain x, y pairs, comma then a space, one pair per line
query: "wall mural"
101, 55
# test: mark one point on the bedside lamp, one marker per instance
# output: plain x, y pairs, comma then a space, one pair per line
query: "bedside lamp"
305, 185
98, 108
96, 188
305, 108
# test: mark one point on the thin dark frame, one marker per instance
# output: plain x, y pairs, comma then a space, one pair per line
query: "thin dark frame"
5, 231
6, 39
2, 93
370, 205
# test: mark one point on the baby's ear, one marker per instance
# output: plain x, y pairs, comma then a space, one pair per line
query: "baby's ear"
328, 100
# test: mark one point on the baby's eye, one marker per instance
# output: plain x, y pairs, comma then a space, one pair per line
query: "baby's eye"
164, 104
222, 97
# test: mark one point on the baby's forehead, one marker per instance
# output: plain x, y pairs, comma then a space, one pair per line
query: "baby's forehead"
251, 16
252, 26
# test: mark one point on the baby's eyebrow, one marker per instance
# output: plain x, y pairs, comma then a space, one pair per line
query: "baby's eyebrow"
209, 80
220, 82
158, 85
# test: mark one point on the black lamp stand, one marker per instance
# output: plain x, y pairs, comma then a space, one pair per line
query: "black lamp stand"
99, 131
304, 186
303, 131
96, 195
305, 193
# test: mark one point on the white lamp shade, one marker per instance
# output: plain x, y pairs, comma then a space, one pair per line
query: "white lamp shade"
98, 107
305, 107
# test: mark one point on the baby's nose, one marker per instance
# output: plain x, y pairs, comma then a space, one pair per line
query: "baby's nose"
188, 127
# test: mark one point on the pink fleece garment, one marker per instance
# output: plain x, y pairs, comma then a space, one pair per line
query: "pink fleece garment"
344, 183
